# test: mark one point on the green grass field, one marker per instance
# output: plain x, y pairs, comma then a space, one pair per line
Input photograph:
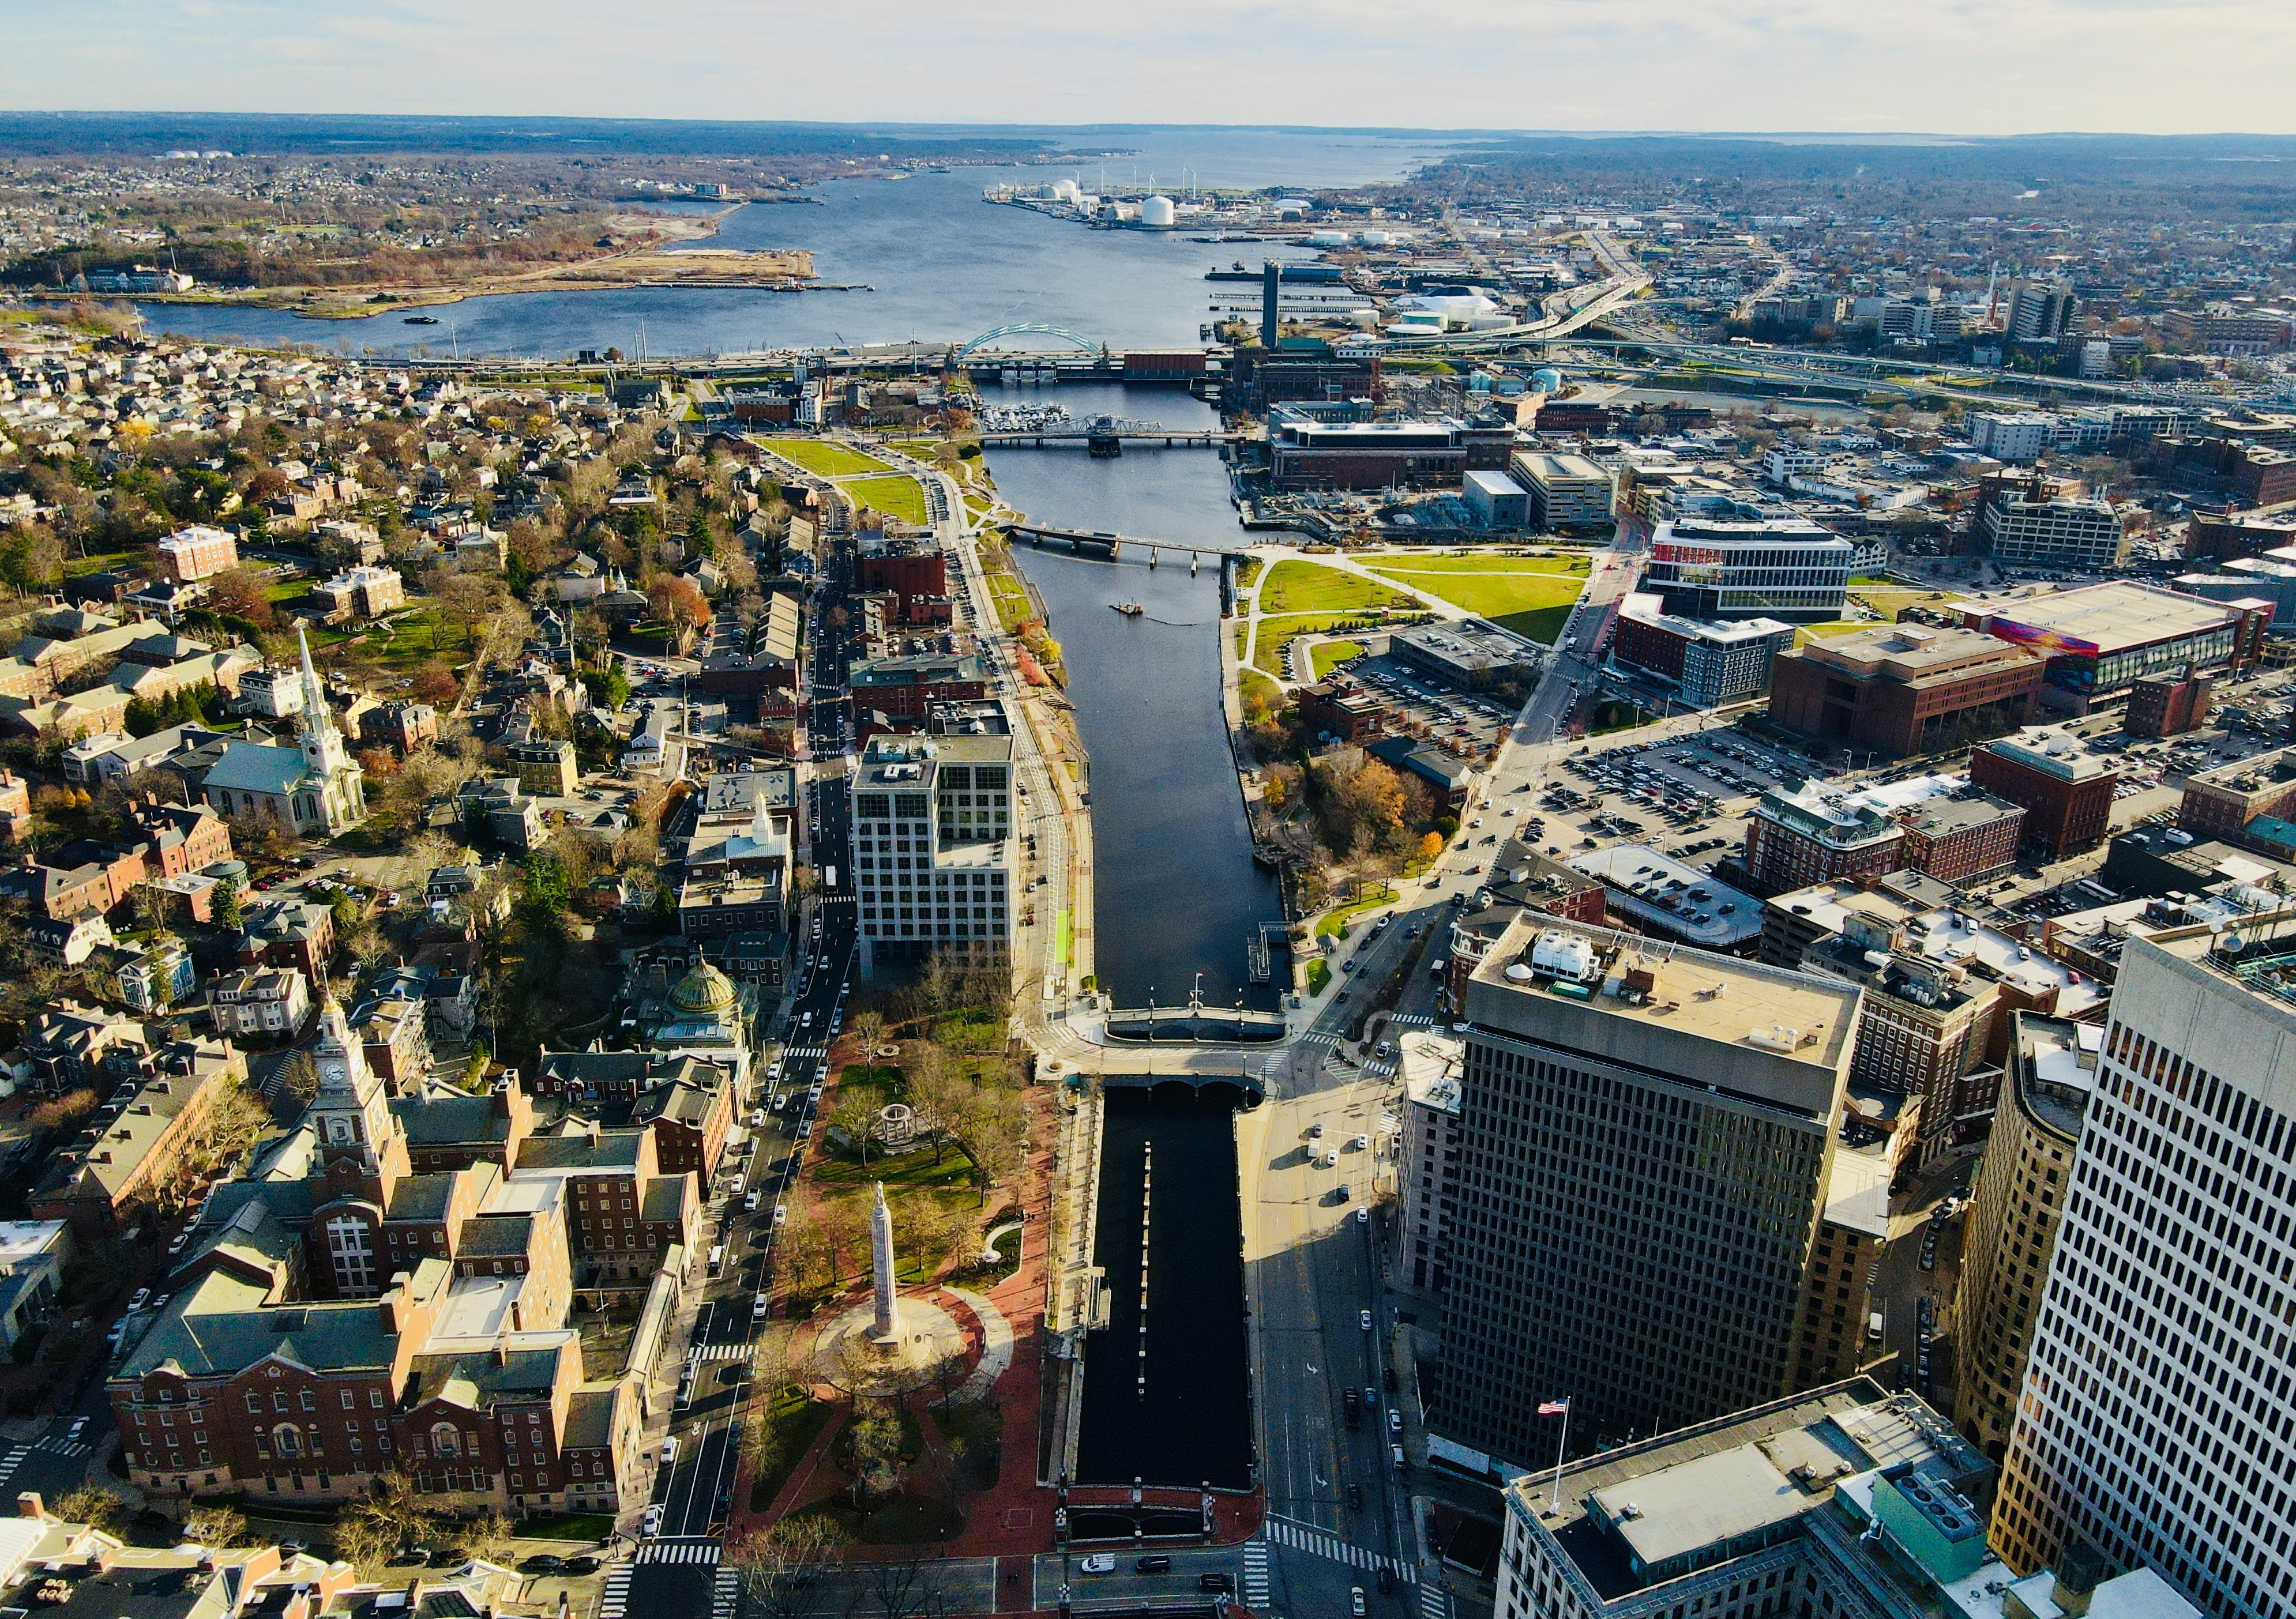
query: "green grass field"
1277, 634
894, 496
1332, 654
1806, 634
1253, 687
1294, 587
1529, 600
1473, 562
827, 456
1889, 601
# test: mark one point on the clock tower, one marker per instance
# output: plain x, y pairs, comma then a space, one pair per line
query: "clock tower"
351, 1109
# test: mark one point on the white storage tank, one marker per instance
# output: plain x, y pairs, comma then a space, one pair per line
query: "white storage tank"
1158, 214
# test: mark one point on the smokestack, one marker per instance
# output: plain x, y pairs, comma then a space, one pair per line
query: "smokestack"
30, 1505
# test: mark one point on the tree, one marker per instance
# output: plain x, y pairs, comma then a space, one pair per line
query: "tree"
434, 683
487, 1538
362, 1542
1430, 846
779, 1567
213, 1524
857, 1121
239, 593
679, 605
227, 910
869, 1029
876, 1439
92, 1504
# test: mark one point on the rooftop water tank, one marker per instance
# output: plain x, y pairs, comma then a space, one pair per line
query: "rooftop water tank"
1157, 213
1546, 380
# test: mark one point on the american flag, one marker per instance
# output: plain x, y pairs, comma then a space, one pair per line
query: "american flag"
1554, 1408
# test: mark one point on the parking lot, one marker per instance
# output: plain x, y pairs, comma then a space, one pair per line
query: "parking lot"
1462, 721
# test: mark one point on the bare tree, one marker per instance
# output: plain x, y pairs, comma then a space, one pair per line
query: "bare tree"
778, 1566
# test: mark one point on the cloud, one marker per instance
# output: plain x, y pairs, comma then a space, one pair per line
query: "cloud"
2165, 66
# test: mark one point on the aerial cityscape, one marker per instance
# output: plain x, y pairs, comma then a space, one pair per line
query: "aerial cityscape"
1471, 866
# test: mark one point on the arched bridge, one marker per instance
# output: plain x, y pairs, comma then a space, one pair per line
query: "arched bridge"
1036, 329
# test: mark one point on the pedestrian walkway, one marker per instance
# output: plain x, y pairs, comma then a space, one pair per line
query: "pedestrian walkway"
12, 1460
726, 1595
65, 1447
1255, 1575
615, 1601
1434, 1600
719, 1352
1323, 1544
697, 1549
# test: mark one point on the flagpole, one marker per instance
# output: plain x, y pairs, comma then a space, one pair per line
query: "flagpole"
1561, 1445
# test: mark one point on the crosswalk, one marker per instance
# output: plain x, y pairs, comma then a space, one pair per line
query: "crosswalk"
696, 1550
1320, 1037
724, 1594
615, 1601
12, 1460
1255, 1575
1321, 1543
1434, 1600
719, 1352
66, 1447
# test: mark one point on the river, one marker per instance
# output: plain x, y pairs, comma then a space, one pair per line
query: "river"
943, 265
1176, 891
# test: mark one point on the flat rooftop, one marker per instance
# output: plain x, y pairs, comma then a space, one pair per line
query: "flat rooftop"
1796, 1018
1662, 892
2095, 619
1910, 653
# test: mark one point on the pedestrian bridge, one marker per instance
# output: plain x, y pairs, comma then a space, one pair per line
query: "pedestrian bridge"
1193, 1026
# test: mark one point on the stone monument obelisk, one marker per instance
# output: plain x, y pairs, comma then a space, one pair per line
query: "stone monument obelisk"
886, 1328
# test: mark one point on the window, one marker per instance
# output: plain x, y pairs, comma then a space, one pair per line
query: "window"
445, 1441
254, 1401
287, 1439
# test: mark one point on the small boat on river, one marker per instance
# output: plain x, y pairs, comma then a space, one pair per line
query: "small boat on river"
1130, 609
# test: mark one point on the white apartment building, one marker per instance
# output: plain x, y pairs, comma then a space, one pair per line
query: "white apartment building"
2085, 535
1427, 1162
2013, 435
933, 864
2153, 1421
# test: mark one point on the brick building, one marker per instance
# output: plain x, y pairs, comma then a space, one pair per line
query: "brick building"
903, 688
134, 1156
1905, 689
197, 551
915, 572
2168, 705
2221, 803
1963, 836
1341, 708
1799, 834
1709, 663
689, 1115
2065, 791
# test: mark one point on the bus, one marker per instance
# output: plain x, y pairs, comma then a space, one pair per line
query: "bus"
829, 877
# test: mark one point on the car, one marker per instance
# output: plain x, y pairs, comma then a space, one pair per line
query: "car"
781, 1213
733, 1187
652, 1526
781, 1101
1363, 1216
1211, 1579
294, 1547
1356, 1600
1315, 1131
579, 1566
756, 1118
759, 1305
1363, 1143
749, 1203
1364, 1316
544, 1562
143, 1296
1099, 1563
1155, 1562
78, 1426
1355, 1496
669, 1450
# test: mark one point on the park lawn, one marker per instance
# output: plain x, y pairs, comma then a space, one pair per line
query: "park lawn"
1251, 685
1391, 563
1293, 586
1319, 973
1332, 654
1247, 572
825, 457
1806, 634
1534, 604
1006, 590
1336, 920
287, 590
798, 1419
1277, 634
896, 495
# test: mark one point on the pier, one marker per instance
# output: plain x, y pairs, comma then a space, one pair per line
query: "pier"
1136, 436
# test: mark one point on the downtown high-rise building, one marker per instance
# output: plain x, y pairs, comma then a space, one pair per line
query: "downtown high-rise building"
1647, 1136
2154, 1421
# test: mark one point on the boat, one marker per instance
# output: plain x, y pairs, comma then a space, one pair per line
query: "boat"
422, 320
1130, 609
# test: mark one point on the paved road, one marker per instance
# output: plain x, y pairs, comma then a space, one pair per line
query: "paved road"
676, 1570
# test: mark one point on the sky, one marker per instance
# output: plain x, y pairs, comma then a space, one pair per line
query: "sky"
1974, 67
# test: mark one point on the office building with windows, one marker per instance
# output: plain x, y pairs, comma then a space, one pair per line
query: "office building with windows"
1647, 1142
2153, 1418
1787, 568
933, 863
